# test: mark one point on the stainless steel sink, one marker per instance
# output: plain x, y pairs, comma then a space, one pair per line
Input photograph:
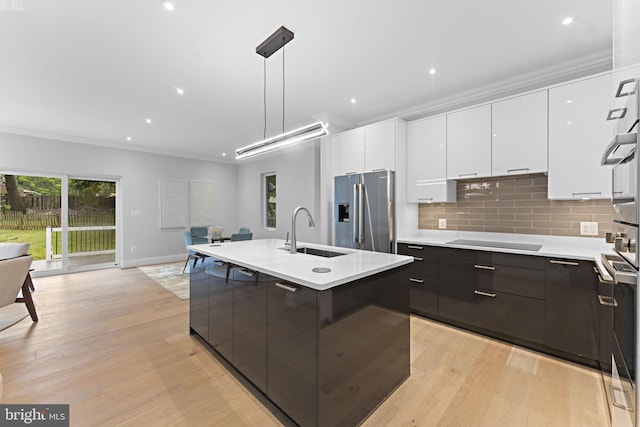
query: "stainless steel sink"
318, 252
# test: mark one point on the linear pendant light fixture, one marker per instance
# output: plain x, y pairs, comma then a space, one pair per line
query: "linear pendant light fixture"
272, 44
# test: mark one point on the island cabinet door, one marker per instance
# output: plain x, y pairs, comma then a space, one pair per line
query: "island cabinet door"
221, 309
250, 325
292, 350
199, 300
572, 307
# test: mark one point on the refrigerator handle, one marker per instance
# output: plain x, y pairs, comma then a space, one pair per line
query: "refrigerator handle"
360, 213
354, 214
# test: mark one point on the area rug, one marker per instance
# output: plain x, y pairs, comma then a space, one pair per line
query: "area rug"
170, 277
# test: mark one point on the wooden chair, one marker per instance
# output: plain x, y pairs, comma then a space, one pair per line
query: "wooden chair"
15, 280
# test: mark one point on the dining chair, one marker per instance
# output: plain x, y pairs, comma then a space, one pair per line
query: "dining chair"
241, 236
199, 235
244, 230
188, 241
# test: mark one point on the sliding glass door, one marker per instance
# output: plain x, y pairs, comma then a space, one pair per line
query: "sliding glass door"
71, 223
91, 233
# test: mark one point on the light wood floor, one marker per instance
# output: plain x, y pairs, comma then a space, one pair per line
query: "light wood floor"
115, 346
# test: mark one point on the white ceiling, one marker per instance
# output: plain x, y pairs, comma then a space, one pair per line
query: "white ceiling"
92, 71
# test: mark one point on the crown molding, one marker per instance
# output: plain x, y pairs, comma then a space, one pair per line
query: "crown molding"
542, 78
107, 144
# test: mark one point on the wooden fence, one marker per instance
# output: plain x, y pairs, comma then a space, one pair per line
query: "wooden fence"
39, 220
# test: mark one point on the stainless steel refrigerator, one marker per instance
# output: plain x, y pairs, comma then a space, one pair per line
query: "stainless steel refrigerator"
364, 211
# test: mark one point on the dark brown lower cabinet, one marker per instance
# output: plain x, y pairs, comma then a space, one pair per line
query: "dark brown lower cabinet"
516, 316
199, 300
220, 309
292, 351
250, 325
572, 307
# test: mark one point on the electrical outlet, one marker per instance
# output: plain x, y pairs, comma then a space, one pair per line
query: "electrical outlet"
588, 228
442, 223
133, 249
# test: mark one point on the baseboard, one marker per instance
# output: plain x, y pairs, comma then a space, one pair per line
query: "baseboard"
150, 261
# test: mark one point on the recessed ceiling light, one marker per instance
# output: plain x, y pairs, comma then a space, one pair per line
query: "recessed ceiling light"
128, 138
569, 101
569, 123
224, 154
148, 121
568, 20
432, 71
353, 100
179, 91
167, 5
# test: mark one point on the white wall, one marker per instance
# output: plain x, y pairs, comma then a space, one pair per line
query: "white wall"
297, 171
140, 174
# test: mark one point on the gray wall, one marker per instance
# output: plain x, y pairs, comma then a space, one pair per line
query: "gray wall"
297, 171
140, 173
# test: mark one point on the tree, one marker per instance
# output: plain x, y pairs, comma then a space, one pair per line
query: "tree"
13, 195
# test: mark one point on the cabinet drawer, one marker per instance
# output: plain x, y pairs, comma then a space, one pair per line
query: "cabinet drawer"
512, 315
493, 277
492, 258
424, 296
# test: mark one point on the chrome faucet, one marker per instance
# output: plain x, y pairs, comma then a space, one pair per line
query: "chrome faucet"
294, 249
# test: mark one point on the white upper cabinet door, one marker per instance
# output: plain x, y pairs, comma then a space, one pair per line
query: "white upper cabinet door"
380, 146
578, 135
427, 161
351, 151
519, 135
469, 143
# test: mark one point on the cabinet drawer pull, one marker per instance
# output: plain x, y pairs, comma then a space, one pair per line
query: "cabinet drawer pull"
608, 301
468, 174
586, 193
613, 116
484, 267
411, 279
517, 170
286, 287
553, 261
416, 258
247, 273
425, 198
621, 85
415, 247
484, 294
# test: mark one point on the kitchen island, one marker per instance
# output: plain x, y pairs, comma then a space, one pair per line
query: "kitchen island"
324, 336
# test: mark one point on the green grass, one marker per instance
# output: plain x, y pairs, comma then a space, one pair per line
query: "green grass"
37, 239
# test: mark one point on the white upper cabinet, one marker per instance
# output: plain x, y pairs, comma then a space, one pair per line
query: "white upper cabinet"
519, 135
469, 143
427, 162
578, 136
350, 151
369, 148
380, 146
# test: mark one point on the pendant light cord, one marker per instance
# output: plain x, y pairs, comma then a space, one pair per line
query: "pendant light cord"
264, 97
283, 85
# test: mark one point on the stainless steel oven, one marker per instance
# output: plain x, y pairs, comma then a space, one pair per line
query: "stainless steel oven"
623, 267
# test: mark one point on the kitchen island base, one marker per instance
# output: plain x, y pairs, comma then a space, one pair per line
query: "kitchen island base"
326, 357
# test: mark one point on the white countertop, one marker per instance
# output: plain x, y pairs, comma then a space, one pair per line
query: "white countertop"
265, 256
580, 248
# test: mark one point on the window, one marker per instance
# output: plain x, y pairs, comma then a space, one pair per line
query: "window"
270, 200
